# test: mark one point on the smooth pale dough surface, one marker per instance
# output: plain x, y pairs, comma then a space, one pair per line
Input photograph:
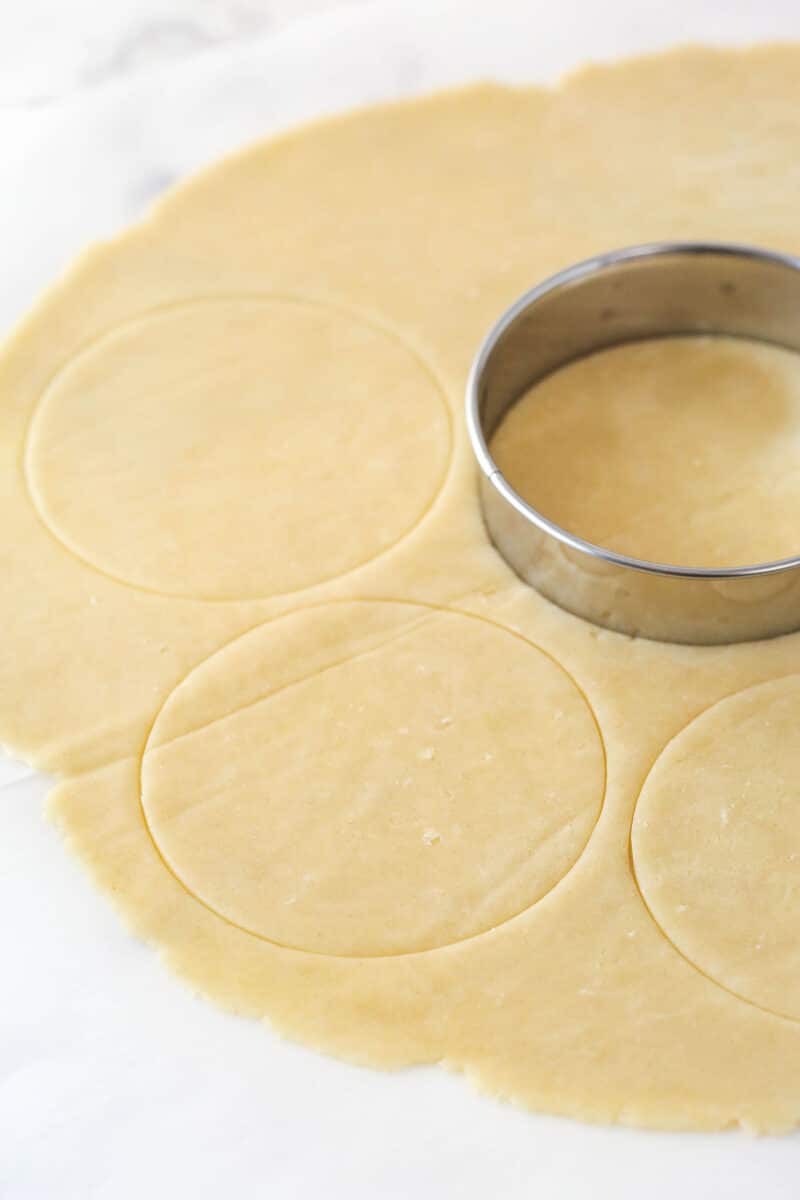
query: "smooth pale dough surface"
683, 450
178, 460
314, 739
718, 865
431, 712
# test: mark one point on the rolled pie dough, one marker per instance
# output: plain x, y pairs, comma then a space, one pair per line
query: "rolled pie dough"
314, 739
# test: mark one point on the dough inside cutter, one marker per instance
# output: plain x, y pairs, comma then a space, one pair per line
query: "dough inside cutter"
682, 450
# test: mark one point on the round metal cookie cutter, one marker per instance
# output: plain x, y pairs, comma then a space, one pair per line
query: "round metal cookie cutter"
657, 290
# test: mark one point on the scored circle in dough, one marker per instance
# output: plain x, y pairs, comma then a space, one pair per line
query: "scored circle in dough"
409, 778
716, 844
176, 426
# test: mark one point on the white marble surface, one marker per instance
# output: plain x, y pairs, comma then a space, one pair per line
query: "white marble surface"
50, 49
116, 1082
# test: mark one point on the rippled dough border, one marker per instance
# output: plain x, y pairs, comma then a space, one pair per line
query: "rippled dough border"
423, 220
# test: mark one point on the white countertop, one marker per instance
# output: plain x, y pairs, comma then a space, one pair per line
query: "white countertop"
50, 49
115, 1081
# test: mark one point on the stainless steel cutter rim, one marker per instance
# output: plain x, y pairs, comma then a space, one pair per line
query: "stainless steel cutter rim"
493, 473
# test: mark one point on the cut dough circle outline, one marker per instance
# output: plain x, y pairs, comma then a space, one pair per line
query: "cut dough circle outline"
431, 609
642, 891
374, 322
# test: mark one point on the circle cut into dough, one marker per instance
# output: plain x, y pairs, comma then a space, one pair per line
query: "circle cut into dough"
238, 448
373, 779
716, 844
